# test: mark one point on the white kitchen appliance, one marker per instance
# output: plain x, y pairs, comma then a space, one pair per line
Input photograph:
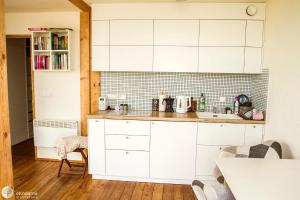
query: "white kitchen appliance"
183, 103
103, 103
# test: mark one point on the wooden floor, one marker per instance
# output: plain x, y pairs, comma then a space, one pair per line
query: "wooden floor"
40, 178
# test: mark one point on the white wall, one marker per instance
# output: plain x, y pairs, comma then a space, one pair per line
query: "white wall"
282, 56
57, 94
17, 90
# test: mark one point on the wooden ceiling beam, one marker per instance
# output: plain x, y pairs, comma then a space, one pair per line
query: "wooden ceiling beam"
84, 7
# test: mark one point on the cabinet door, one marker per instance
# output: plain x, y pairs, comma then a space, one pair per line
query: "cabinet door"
100, 58
253, 60
175, 59
220, 134
254, 33
131, 58
100, 32
127, 163
96, 146
206, 156
222, 33
221, 59
131, 32
176, 32
173, 150
254, 134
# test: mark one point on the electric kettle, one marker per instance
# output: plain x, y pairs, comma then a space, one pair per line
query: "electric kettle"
183, 103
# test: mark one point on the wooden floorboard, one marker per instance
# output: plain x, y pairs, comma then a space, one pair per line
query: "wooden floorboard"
40, 177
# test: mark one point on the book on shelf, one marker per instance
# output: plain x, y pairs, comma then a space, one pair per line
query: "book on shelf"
41, 42
59, 42
42, 62
60, 61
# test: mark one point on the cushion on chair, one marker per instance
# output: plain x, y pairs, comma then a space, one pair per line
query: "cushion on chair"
212, 191
69, 144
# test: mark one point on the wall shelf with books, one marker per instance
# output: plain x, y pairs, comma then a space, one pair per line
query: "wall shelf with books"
51, 49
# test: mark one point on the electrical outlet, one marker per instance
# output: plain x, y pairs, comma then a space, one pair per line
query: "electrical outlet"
222, 100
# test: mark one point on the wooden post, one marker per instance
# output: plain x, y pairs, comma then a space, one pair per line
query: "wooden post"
6, 171
89, 81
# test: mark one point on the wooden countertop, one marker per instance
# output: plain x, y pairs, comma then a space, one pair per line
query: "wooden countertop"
165, 116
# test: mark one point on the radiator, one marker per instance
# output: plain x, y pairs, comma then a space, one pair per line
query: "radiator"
47, 132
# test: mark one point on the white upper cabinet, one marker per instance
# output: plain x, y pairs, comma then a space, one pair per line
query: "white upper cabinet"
131, 58
254, 33
100, 58
175, 59
222, 32
131, 32
253, 60
100, 32
176, 32
221, 59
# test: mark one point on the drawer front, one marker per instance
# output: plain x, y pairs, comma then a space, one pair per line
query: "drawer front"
254, 134
127, 163
206, 156
127, 142
127, 127
220, 134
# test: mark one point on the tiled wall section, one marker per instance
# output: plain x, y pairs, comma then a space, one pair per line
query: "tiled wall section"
141, 87
259, 90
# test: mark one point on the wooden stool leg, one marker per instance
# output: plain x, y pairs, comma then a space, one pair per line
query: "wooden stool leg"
68, 162
61, 164
86, 162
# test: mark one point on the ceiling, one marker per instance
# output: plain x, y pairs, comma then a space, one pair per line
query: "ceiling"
65, 5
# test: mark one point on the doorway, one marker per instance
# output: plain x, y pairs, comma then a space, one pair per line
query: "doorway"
20, 96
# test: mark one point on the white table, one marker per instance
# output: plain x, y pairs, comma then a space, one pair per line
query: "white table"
261, 179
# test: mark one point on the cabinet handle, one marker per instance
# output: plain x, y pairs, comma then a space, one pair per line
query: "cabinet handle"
127, 122
127, 137
254, 126
127, 153
221, 125
220, 148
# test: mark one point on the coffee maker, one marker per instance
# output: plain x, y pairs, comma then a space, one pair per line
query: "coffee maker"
169, 104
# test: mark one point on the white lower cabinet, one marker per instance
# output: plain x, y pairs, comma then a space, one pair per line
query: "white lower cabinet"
173, 150
96, 146
127, 163
206, 156
254, 134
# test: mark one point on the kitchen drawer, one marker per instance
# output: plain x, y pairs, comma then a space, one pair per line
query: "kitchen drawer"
220, 134
206, 156
127, 142
127, 127
127, 163
254, 134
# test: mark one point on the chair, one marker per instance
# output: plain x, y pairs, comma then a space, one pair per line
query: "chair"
217, 190
72, 144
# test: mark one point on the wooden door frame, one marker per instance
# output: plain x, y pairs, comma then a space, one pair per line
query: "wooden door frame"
6, 170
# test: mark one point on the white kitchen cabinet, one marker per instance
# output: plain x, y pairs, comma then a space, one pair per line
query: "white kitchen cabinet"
254, 33
100, 32
175, 59
127, 127
127, 163
220, 134
176, 32
96, 146
100, 58
131, 32
253, 60
254, 134
222, 32
173, 150
127, 142
206, 156
221, 59
131, 58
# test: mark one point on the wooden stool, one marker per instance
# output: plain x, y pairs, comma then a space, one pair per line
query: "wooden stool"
81, 150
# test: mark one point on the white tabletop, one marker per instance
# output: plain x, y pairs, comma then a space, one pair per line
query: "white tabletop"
261, 179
